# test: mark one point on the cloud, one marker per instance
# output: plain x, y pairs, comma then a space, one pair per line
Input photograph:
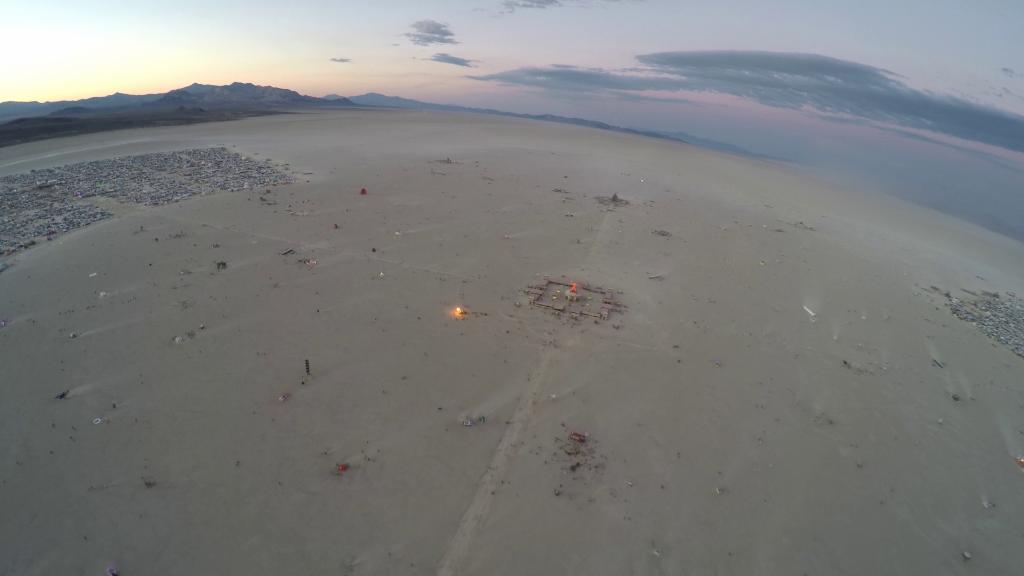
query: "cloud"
1010, 72
513, 5
341, 60
573, 79
427, 32
449, 59
794, 81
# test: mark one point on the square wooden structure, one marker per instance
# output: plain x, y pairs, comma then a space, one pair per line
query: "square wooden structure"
592, 301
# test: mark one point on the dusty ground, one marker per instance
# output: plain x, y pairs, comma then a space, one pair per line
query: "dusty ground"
730, 432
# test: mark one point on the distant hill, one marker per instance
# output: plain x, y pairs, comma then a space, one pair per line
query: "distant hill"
238, 95
34, 128
375, 99
12, 110
70, 111
720, 146
28, 121
208, 102
382, 100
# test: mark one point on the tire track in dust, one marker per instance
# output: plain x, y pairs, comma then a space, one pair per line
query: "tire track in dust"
458, 546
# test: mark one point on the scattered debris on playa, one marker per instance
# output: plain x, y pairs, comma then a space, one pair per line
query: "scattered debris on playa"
53, 201
577, 454
1000, 317
614, 201
469, 422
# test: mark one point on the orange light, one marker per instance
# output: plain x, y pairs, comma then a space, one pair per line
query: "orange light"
458, 312
572, 288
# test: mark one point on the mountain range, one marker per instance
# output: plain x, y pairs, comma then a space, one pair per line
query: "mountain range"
206, 96
381, 100
27, 121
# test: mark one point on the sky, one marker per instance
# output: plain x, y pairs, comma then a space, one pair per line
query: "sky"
837, 86
77, 48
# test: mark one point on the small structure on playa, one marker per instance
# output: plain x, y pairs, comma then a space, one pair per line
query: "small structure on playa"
574, 298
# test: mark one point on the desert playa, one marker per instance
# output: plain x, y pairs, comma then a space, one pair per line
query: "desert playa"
275, 379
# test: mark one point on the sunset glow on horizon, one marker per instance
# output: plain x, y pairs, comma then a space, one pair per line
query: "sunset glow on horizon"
789, 81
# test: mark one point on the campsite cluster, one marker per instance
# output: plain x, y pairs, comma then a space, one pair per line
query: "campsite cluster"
52, 201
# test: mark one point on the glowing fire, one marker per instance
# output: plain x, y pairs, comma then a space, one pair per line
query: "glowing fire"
459, 312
